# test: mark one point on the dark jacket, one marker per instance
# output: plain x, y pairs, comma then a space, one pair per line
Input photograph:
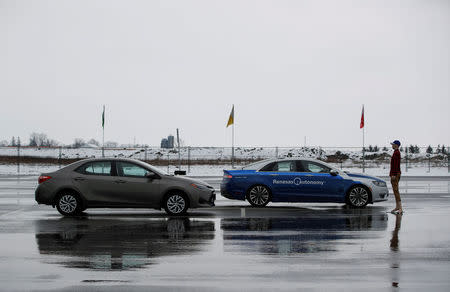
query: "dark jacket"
395, 163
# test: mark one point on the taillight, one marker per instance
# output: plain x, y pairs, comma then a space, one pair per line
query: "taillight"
227, 176
43, 178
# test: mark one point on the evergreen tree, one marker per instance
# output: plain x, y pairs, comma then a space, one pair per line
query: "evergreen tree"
33, 142
13, 141
376, 149
429, 149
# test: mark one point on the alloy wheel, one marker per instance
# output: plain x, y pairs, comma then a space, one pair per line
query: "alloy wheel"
259, 196
68, 204
359, 197
176, 204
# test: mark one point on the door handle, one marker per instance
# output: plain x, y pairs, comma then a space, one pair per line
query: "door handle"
274, 174
309, 175
119, 181
79, 178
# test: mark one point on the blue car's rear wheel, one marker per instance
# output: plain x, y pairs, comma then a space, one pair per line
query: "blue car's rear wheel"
258, 196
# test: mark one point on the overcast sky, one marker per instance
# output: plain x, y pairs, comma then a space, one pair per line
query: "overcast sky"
292, 69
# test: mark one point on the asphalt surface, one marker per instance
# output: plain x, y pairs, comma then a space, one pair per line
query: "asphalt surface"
229, 247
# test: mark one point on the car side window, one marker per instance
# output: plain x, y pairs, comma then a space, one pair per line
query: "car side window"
96, 168
286, 166
282, 166
310, 166
130, 169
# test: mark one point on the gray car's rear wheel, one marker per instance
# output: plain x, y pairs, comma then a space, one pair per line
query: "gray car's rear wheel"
176, 204
258, 196
68, 204
358, 196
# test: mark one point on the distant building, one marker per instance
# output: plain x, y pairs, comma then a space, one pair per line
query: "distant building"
168, 142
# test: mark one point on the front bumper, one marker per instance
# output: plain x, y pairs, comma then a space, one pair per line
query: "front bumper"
380, 194
206, 198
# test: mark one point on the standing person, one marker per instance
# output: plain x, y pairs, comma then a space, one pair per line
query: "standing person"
395, 174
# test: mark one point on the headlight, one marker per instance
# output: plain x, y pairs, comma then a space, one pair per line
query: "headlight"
199, 186
379, 183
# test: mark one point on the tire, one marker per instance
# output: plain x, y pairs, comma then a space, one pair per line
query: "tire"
258, 196
69, 204
358, 197
176, 204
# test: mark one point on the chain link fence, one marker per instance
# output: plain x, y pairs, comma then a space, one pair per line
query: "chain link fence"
341, 157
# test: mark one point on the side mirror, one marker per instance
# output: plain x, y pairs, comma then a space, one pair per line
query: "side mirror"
334, 172
151, 175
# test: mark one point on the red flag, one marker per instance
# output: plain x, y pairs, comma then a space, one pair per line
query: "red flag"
361, 125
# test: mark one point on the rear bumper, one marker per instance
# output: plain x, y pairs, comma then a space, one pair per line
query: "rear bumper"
228, 193
43, 196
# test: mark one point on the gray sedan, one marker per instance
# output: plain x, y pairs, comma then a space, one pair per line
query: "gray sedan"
120, 183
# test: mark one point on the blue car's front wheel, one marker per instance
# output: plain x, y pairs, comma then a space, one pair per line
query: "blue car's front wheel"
258, 196
358, 196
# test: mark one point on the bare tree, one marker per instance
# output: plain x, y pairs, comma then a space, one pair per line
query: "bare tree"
78, 142
93, 142
41, 139
51, 143
111, 144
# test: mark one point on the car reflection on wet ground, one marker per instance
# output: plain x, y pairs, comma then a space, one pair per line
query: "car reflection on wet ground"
230, 247
119, 244
315, 231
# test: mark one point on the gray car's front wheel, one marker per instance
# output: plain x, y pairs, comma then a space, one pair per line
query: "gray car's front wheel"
176, 204
68, 204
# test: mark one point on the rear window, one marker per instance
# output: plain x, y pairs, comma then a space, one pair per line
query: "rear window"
95, 168
281, 166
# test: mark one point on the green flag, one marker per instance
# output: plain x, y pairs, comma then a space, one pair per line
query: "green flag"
103, 117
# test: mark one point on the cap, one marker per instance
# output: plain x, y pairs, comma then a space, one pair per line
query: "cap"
396, 142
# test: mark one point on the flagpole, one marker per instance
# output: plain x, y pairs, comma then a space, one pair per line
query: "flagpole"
231, 122
232, 146
103, 132
103, 143
363, 150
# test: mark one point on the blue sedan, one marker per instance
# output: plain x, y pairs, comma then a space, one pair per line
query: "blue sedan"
301, 180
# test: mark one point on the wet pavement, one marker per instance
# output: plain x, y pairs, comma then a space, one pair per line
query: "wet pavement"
229, 247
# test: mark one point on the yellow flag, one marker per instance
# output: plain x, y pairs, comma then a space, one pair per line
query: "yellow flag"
231, 118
